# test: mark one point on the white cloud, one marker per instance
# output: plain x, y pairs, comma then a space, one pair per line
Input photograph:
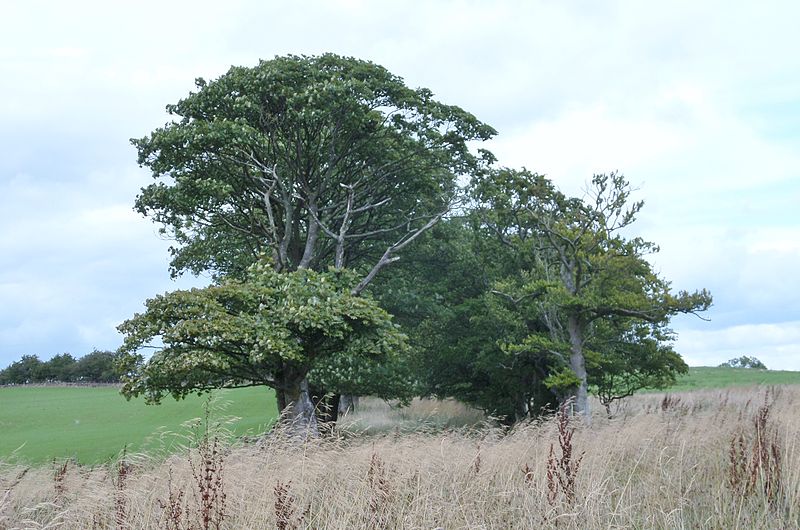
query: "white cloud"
75, 261
691, 100
776, 344
720, 194
583, 141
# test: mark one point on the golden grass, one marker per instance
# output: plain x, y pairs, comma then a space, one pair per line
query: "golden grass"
656, 464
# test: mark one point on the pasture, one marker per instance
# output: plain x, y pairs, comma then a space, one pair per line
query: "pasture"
94, 424
712, 377
692, 461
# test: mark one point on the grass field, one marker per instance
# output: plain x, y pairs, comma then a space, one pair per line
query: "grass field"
696, 461
93, 424
709, 377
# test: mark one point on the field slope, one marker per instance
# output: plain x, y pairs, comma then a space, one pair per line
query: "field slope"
93, 424
706, 377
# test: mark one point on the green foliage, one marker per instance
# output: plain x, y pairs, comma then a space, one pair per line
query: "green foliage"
744, 362
462, 334
282, 158
561, 380
26, 370
629, 356
330, 161
59, 368
488, 324
268, 329
589, 269
96, 367
315, 162
602, 310
388, 376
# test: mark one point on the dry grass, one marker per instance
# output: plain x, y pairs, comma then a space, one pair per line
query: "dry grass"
375, 416
658, 464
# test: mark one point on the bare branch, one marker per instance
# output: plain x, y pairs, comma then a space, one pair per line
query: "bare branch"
516, 301
371, 206
311, 236
345, 226
315, 216
388, 256
395, 228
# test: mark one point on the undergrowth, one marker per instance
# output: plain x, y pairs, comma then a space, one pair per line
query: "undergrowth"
694, 460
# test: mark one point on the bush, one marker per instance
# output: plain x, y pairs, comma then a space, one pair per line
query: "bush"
744, 362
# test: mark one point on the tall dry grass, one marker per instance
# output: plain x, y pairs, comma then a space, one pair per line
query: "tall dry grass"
659, 463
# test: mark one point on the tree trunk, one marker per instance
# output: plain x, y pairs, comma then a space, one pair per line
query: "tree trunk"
281, 395
299, 414
578, 365
347, 404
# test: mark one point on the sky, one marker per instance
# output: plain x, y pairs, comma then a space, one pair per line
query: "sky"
697, 103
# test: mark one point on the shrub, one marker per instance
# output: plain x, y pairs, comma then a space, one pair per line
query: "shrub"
744, 362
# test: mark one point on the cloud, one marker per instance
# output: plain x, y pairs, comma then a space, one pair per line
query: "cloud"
720, 193
694, 101
776, 344
77, 262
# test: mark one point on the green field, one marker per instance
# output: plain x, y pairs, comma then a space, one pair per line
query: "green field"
708, 377
93, 424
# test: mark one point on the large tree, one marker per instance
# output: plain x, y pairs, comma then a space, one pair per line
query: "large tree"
268, 328
587, 274
315, 162
58, 368
97, 367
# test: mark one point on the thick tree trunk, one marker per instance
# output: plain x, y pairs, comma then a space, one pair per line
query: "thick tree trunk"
578, 364
299, 414
281, 400
347, 404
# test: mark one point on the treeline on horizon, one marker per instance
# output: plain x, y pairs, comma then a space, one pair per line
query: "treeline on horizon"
94, 367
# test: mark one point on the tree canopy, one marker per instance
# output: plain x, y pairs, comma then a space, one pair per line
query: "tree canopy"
587, 279
295, 182
269, 328
314, 161
95, 367
744, 362
460, 331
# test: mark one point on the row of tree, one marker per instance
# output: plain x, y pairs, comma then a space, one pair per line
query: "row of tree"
95, 367
299, 185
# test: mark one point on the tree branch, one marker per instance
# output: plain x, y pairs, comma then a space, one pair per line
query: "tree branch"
516, 301
388, 257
